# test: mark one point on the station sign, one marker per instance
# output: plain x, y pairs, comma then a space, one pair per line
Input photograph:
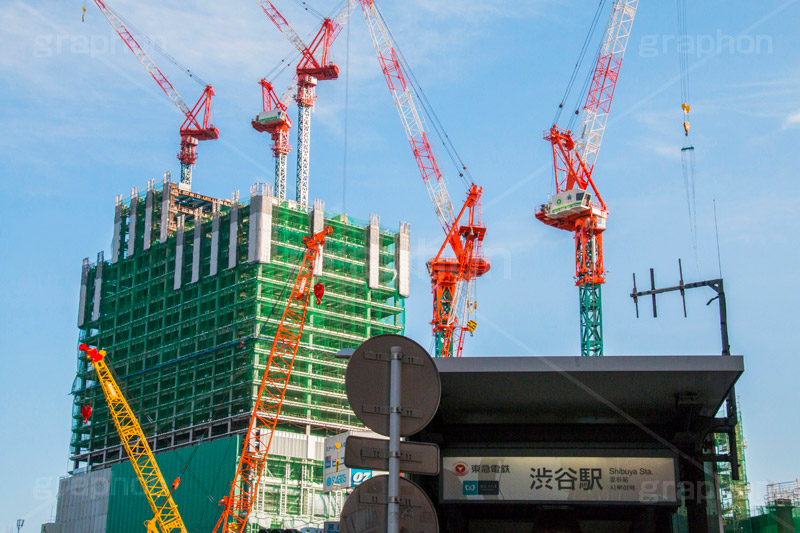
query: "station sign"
331, 527
337, 476
560, 479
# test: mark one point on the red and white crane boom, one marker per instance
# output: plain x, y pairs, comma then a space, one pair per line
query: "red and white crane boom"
313, 66
577, 205
452, 279
192, 130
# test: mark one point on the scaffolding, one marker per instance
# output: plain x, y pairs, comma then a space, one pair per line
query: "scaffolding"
734, 495
788, 491
184, 308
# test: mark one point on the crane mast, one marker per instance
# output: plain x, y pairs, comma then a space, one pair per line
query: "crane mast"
266, 411
136, 446
274, 120
452, 280
192, 130
577, 205
313, 67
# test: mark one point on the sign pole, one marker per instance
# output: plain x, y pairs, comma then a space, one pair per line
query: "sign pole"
395, 388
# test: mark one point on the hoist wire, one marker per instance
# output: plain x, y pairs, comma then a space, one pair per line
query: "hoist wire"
346, 116
580, 100
688, 161
579, 62
683, 29
310, 9
430, 113
152, 44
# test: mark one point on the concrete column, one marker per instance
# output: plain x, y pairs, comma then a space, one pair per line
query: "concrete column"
259, 246
84, 292
115, 242
165, 205
373, 251
214, 259
197, 245
148, 214
132, 221
317, 223
403, 259
233, 239
179, 238
98, 287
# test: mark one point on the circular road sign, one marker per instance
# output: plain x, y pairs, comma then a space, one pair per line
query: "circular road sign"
365, 510
367, 384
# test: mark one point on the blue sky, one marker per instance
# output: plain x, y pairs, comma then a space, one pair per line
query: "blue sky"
82, 122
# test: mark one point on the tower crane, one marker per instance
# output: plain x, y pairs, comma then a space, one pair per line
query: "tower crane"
314, 65
577, 205
195, 127
452, 279
165, 513
274, 120
266, 411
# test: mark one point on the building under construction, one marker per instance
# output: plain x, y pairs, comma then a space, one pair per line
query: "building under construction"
187, 306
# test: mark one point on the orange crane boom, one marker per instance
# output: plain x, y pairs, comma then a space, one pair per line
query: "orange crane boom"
266, 411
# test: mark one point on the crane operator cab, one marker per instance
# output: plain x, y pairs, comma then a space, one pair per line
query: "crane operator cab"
566, 203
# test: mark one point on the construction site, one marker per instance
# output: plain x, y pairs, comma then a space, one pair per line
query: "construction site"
214, 334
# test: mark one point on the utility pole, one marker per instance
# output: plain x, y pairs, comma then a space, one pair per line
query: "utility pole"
725, 425
20, 523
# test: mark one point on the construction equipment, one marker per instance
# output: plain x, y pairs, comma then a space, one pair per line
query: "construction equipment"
577, 205
194, 128
274, 120
166, 518
452, 279
314, 66
266, 411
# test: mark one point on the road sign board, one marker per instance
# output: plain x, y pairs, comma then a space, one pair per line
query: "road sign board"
365, 510
367, 384
335, 474
373, 454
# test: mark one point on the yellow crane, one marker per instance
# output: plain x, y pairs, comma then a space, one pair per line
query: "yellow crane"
166, 518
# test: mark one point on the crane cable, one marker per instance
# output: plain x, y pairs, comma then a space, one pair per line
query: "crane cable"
688, 162
152, 44
444, 138
579, 62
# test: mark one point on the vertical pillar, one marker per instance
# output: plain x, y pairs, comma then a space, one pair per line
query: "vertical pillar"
317, 223
166, 203
197, 245
115, 242
179, 237
373, 251
98, 287
233, 240
148, 214
132, 221
84, 292
259, 245
214, 259
403, 260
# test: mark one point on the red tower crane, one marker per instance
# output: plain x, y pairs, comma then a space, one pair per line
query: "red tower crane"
577, 205
269, 401
314, 65
274, 120
452, 279
196, 127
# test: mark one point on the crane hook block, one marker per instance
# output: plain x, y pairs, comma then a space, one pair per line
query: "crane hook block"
86, 413
319, 292
686, 107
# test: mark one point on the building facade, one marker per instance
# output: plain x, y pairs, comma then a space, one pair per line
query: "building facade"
186, 307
